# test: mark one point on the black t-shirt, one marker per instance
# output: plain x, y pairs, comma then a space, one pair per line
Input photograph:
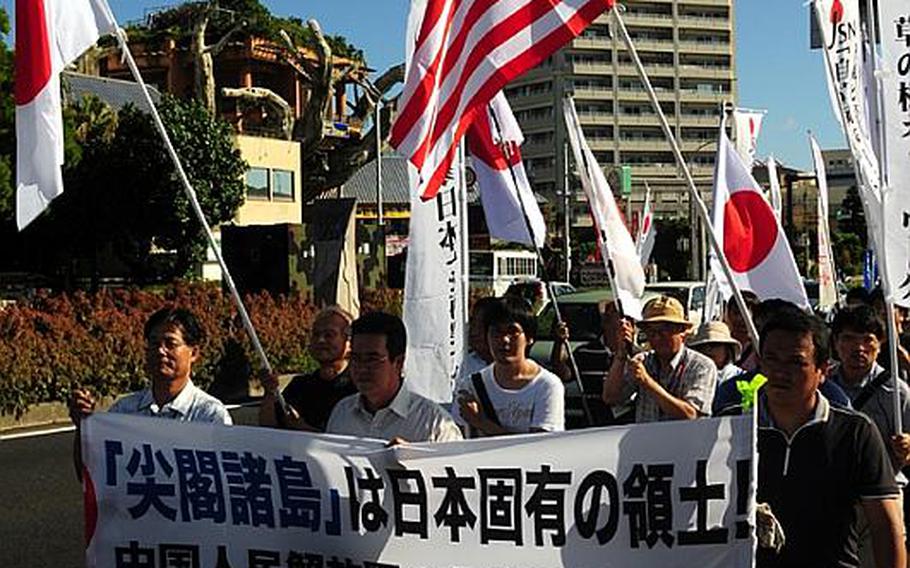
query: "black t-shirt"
833, 462
314, 398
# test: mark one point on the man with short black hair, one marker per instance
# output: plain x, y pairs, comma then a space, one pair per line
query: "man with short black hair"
384, 408
816, 461
173, 337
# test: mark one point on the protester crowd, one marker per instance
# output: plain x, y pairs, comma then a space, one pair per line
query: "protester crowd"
830, 484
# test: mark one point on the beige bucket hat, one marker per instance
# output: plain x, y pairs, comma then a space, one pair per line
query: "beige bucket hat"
716, 332
664, 309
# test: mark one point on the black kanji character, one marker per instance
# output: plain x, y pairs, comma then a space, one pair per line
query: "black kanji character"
595, 482
370, 564
903, 97
902, 25
301, 504
112, 449
304, 560
547, 504
403, 496
454, 511
201, 489
371, 513
500, 505
263, 558
249, 488
701, 494
151, 491
134, 556
333, 525
649, 504
336, 562
178, 555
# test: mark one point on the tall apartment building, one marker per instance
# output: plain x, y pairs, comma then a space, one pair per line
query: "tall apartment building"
687, 47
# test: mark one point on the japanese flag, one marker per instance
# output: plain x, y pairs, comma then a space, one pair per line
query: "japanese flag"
50, 34
751, 236
493, 139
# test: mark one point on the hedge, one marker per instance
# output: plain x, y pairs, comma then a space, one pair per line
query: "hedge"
56, 342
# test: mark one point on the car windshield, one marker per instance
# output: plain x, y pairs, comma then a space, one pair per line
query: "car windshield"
583, 321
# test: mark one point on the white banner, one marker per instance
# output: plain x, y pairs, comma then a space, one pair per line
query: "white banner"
435, 285
746, 126
827, 290
613, 238
841, 33
774, 187
164, 493
894, 18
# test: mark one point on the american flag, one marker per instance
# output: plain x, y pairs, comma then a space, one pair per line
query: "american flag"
466, 51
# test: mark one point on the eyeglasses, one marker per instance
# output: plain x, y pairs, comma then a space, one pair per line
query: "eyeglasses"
661, 328
169, 345
512, 332
367, 360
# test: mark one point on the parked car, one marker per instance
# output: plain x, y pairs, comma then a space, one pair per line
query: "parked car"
690, 294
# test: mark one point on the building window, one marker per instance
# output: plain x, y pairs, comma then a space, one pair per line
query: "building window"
283, 185
257, 183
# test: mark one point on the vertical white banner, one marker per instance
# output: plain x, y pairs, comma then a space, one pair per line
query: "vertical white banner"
746, 126
827, 291
841, 31
774, 185
894, 21
435, 297
616, 244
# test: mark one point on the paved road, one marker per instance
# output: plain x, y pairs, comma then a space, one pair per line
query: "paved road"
41, 508
41, 519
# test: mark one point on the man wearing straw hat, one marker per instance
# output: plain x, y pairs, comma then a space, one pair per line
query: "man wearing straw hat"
672, 381
714, 341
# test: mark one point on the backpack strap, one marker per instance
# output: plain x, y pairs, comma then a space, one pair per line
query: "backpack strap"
864, 395
483, 397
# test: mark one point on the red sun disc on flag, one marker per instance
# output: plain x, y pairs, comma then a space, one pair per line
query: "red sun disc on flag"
750, 230
837, 12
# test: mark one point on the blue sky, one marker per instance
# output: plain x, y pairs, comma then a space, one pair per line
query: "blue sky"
775, 68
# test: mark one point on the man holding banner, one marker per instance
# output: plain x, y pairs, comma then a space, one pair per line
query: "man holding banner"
172, 336
384, 407
817, 462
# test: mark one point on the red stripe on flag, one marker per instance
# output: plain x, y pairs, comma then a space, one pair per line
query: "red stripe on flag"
503, 75
419, 100
33, 54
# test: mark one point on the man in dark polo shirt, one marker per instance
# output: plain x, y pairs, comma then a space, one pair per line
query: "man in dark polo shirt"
312, 397
816, 461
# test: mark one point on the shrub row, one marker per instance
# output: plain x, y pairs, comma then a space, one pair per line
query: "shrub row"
56, 342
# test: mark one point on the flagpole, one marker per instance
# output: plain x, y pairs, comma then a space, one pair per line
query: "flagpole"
573, 365
701, 209
194, 200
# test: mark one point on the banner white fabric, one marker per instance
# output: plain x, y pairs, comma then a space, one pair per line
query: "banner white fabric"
613, 236
647, 234
752, 238
435, 287
841, 32
774, 186
827, 290
746, 126
496, 157
894, 18
164, 493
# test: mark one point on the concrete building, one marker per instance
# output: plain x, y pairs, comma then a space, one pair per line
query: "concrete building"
688, 49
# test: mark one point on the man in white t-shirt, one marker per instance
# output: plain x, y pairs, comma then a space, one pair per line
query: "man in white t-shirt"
514, 395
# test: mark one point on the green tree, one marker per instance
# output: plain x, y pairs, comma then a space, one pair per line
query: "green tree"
852, 216
7, 123
671, 252
123, 197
